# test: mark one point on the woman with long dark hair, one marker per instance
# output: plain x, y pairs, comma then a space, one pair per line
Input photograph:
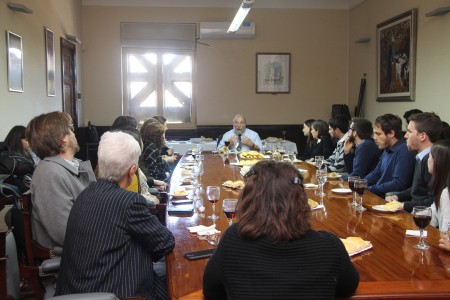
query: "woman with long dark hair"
439, 167
307, 152
272, 252
17, 141
323, 143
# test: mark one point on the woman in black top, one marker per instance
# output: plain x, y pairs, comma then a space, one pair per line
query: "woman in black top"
272, 252
323, 144
306, 154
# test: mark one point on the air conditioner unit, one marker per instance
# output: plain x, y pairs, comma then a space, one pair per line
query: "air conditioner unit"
218, 31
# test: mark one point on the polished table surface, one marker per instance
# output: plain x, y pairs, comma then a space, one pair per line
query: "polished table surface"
392, 268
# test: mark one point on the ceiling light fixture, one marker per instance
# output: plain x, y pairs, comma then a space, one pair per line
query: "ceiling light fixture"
240, 15
19, 8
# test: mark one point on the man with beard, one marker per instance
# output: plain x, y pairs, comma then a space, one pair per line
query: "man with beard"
59, 177
395, 169
240, 137
423, 130
361, 154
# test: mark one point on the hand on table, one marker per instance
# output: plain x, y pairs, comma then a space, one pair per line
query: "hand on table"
391, 198
444, 242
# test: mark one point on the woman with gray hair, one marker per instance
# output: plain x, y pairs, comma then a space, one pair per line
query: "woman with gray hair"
111, 232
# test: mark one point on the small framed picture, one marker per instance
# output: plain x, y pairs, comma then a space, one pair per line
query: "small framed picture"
273, 74
50, 61
15, 62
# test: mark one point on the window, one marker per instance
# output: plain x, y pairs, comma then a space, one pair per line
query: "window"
158, 83
157, 71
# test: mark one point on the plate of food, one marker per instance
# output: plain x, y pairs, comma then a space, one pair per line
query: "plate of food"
242, 163
314, 204
271, 139
250, 154
334, 175
342, 191
185, 181
239, 184
179, 194
389, 207
302, 171
355, 245
310, 186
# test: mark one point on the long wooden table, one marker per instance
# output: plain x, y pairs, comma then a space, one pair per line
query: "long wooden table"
391, 269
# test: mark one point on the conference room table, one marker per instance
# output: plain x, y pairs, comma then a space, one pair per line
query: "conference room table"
392, 268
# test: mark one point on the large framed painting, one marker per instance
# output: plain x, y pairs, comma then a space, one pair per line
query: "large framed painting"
50, 61
15, 62
396, 57
273, 73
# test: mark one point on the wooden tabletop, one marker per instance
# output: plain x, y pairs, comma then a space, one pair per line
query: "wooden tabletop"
392, 268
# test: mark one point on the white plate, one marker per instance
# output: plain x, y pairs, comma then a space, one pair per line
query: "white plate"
342, 191
310, 186
382, 209
179, 196
318, 207
302, 170
362, 250
334, 177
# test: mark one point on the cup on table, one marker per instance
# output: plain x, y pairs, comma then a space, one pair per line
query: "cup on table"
213, 239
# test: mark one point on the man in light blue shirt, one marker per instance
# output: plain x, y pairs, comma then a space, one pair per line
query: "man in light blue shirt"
240, 137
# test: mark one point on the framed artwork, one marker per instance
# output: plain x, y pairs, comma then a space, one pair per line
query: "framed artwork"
50, 61
15, 62
273, 73
396, 57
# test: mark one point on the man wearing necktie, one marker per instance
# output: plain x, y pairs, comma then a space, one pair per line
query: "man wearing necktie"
241, 138
423, 130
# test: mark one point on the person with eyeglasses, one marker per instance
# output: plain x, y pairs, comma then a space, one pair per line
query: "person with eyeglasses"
240, 137
361, 154
59, 177
272, 252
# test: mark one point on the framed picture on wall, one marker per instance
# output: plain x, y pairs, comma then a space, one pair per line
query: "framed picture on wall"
273, 73
15, 62
396, 57
50, 61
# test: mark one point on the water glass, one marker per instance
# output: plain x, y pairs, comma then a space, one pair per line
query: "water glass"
213, 194
318, 160
321, 175
229, 208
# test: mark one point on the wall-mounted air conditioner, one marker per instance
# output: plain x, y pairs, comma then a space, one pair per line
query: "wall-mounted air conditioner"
218, 31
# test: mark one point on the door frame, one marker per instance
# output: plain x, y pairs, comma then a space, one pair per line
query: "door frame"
66, 44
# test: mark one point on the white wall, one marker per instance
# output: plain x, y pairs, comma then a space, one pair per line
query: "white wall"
60, 16
432, 61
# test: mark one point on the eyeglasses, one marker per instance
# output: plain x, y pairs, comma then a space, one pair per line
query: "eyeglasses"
72, 128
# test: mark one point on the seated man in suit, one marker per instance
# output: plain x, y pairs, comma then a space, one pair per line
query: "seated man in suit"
395, 169
112, 239
59, 177
240, 137
423, 130
361, 154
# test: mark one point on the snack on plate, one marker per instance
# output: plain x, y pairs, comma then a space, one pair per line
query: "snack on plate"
186, 180
222, 149
354, 244
251, 154
312, 203
333, 175
393, 206
248, 162
272, 139
179, 193
239, 184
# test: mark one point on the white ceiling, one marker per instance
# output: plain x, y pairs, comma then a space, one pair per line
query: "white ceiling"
311, 4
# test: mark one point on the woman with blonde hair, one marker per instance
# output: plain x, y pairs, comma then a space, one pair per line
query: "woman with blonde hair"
151, 162
272, 252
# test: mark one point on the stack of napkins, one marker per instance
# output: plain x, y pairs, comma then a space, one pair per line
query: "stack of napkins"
203, 230
415, 233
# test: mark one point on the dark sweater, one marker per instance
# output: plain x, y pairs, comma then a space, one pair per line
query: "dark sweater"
418, 193
323, 147
364, 160
315, 266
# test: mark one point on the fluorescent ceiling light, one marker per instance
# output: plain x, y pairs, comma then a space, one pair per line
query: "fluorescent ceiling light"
240, 15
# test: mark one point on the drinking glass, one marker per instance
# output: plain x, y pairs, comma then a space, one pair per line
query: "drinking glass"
351, 185
284, 135
193, 175
229, 208
360, 188
321, 175
263, 142
227, 151
422, 218
318, 161
213, 194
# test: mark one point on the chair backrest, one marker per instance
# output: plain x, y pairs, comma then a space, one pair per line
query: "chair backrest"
219, 139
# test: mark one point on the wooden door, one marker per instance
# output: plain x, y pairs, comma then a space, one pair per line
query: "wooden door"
69, 80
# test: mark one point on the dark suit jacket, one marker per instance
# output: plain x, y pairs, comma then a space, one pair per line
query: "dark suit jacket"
111, 243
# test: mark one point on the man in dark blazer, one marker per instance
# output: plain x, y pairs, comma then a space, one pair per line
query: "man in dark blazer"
112, 239
423, 130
